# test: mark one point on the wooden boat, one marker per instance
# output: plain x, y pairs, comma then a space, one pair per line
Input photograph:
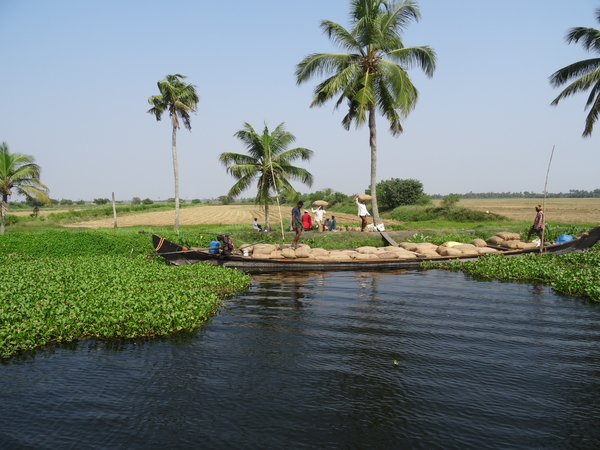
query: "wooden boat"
179, 255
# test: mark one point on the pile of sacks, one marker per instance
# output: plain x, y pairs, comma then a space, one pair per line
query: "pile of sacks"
406, 250
510, 241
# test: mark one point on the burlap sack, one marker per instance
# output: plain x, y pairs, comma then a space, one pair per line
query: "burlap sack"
430, 252
495, 240
408, 246
277, 254
426, 245
485, 250
406, 255
478, 243
366, 249
507, 236
364, 256
469, 251
263, 249
319, 251
302, 252
364, 198
463, 247
514, 245
450, 244
247, 247
319, 203
449, 251
322, 258
339, 255
530, 245
388, 255
289, 253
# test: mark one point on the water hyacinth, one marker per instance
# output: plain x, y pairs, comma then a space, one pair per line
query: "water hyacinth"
63, 299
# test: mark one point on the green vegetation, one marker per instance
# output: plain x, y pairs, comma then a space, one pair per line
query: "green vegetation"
179, 99
59, 286
373, 77
395, 192
451, 214
575, 274
268, 164
584, 73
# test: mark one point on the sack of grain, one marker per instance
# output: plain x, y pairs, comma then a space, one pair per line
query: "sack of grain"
366, 249
364, 256
263, 249
302, 252
449, 251
485, 250
514, 245
364, 198
530, 245
319, 203
322, 258
429, 252
478, 243
406, 255
319, 252
338, 255
289, 253
277, 254
425, 245
408, 246
463, 247
388, 255
495, 240
507, 236
450, 244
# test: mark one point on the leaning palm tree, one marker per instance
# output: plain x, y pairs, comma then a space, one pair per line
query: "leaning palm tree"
180, 99
373, 75
268, 163
586, 73
19, 173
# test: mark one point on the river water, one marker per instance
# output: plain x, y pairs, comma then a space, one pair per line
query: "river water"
396, 359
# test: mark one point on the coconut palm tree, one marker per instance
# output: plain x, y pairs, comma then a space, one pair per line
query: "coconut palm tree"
586, 73
179, 99
373, 75
20, 174
268, 163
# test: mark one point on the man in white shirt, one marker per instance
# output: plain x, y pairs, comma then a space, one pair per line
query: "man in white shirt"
319, 216
362, 213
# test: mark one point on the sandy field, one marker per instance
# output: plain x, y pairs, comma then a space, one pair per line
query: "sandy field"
564, 210
209, 215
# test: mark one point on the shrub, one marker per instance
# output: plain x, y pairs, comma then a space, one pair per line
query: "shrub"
136, 201
147, 201
396, 192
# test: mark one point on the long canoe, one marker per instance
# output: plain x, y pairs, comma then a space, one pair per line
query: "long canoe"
180, 255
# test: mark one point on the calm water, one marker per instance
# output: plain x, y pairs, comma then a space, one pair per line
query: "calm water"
307, 361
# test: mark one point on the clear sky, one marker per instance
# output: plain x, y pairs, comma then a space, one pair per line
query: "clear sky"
75, 77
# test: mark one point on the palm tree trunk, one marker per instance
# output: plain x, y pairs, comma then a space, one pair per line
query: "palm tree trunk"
373, 144
3, 210
176, 173
267, 216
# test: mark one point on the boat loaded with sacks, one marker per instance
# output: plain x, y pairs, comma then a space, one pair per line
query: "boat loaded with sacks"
263, 257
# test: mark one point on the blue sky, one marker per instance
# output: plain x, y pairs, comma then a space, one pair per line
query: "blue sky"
76, 76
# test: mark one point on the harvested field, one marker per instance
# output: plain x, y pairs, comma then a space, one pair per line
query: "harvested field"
208, 215
564, 210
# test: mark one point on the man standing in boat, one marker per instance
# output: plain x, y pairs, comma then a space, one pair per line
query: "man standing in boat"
297, 222
538, 224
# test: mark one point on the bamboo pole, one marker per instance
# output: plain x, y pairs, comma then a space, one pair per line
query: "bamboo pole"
544, 202
114, 211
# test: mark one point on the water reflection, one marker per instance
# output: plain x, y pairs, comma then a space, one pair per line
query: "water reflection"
307, 360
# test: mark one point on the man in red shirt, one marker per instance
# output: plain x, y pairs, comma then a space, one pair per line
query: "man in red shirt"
306, 221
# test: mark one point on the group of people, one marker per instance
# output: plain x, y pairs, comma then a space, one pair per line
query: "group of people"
329, 224
303, 222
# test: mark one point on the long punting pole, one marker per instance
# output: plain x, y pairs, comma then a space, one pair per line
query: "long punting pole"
544, 202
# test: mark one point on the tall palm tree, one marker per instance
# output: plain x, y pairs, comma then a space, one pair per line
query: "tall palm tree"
19, 173
268, 162
586, 73
180, 99
373, 75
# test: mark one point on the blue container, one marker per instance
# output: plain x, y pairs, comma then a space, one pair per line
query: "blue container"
214, 247
564, 238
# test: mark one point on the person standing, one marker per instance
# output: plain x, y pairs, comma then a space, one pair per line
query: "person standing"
538, 224
362, 213
319, 217
306, 221
297, 222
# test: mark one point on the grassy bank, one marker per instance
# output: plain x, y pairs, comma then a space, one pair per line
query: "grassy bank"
64, 286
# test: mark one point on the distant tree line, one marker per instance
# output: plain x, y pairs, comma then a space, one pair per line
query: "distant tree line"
573, 193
